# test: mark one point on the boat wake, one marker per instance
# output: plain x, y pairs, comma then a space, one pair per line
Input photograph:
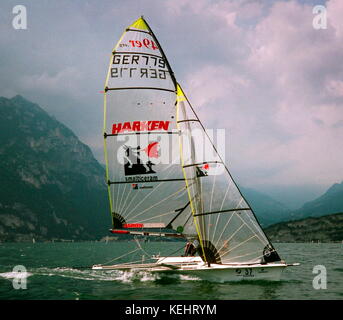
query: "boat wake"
131, 276
15, 275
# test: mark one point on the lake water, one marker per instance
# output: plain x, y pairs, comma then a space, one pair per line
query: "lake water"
51, 274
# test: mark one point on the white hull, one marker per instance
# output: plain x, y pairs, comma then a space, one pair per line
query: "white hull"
194, 266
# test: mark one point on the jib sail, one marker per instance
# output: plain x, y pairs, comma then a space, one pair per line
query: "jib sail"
227, 227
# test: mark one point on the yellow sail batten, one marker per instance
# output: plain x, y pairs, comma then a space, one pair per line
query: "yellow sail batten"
105, 154
104, 128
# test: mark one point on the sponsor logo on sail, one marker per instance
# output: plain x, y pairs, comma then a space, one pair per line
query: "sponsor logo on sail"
133, 163
137, 126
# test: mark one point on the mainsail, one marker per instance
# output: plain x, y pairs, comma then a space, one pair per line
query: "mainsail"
160, 178
146, 184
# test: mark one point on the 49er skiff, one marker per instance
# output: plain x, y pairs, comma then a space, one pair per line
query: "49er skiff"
165, 177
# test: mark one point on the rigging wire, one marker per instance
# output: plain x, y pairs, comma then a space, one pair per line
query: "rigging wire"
140, 247
124, 255
170, 254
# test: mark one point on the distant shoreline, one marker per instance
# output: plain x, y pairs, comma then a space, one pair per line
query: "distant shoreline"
326, 229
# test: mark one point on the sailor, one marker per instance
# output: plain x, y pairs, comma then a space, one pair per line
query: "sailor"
190, 249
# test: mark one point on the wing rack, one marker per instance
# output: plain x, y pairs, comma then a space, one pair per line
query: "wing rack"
148, 233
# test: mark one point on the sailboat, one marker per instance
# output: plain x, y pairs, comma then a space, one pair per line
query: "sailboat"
165, 177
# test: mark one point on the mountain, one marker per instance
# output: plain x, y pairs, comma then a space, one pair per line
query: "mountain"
330, 202
51, 185
325, 229
267, 210
293, 196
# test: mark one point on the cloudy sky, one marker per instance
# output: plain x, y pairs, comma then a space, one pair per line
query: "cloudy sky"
259, 69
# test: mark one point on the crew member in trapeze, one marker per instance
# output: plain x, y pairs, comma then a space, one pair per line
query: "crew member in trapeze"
190, 249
